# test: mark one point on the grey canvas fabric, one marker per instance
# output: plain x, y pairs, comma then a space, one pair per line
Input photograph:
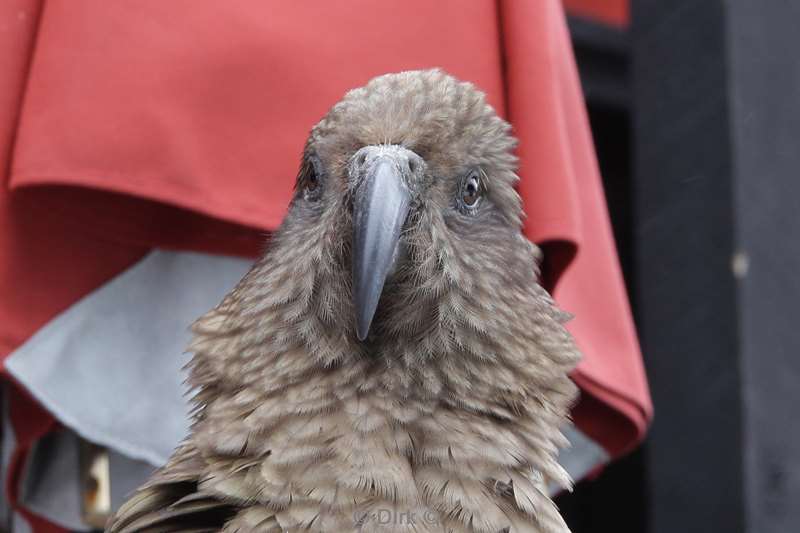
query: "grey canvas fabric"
51, 486
9, 520
7, 444
582, 456
20, 525
109, 367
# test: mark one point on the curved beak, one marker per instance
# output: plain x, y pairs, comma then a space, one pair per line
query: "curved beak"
380, 209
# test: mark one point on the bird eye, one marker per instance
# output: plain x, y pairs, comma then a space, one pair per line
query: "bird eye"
471, 190
311, 186
311, 179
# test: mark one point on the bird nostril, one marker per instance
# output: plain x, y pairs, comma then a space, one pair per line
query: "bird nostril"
412, 165
361, 159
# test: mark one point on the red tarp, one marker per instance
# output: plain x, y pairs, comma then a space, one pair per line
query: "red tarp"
612, 12
129, 125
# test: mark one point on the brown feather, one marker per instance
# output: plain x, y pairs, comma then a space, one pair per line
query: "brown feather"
447, 418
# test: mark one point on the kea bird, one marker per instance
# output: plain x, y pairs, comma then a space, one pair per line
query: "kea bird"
392, 362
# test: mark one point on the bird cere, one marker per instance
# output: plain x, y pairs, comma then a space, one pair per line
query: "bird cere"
392, 362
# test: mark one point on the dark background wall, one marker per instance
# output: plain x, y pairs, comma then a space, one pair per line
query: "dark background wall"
764, 106
696, 120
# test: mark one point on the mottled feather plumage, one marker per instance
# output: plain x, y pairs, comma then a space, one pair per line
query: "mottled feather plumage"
448, 412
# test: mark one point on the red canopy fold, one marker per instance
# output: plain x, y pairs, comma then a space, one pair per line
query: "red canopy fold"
130, 125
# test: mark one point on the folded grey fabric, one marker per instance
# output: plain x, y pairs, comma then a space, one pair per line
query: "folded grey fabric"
51, 486
109, 367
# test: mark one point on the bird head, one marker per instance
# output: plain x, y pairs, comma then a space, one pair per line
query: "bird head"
405, 202
393, 345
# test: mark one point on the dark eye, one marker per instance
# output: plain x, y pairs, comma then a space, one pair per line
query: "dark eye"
311, 179
471, 190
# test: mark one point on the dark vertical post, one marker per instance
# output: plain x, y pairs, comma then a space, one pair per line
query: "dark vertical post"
716, 87
765, 106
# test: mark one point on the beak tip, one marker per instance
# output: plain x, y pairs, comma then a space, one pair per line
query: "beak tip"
364, 311
363, 323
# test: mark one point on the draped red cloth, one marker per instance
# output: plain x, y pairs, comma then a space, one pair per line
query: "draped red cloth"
611, 12
130, 125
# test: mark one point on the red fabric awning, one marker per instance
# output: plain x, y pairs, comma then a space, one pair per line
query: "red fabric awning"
612, 12
129, 125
